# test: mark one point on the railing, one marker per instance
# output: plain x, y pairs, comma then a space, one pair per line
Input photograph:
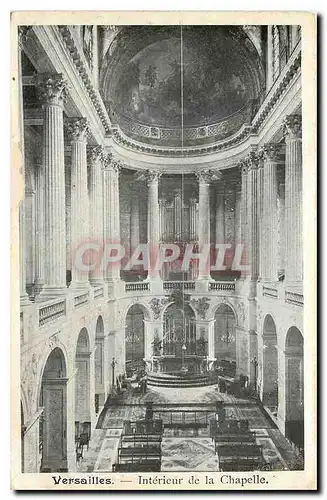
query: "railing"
179, 285
80, 300
51, 312
219, 130
294, 298
222, 285
270, 291
98, 293
137, 287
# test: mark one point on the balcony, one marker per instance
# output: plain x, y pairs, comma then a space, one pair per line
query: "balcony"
137, 287
270, 291
224, 286
295, 298
179, 285
81, 299
52, 311
98, 293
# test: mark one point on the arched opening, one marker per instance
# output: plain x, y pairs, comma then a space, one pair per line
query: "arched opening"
180, 346
225, 339
294, 428
134, 340
99, 365
270, 365
53, 423
82, 387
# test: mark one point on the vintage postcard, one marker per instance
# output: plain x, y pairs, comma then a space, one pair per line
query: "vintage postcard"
163, 251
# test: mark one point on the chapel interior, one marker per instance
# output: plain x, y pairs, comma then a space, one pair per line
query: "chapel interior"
150, 137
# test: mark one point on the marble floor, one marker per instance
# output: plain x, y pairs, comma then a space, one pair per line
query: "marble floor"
184, 449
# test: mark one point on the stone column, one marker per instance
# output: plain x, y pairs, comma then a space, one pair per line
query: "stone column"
220, 215
135, 218
260, 197
96, 155
153, 224
30, 242
24, 299
77, 131
293, 199
117, 166
243, 215
253, 162
53, 89
237, 220
205, 177
281, 228
110, 207
270, 235
40, 229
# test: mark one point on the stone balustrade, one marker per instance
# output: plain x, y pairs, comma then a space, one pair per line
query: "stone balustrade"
179, 285
137, 287
98, 292
222, 286
50, 312
270, 291
294, 298
81, 299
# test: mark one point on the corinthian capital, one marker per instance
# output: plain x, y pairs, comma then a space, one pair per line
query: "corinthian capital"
152, 176
23, 34
207, 176
292, 126
77, 129
272, 151
111, 163
52, 88
253, 160
95, 153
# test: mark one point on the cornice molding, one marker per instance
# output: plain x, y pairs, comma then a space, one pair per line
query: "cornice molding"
281, 85
84, 72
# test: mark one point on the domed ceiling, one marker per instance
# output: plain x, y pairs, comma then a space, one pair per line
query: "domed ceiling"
166, 77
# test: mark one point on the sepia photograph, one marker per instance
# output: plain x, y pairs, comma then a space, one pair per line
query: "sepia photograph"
163, 336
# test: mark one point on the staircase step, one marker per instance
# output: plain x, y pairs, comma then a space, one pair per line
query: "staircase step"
177, 380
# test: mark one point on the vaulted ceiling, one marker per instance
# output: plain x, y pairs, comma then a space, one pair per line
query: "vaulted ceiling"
167, 75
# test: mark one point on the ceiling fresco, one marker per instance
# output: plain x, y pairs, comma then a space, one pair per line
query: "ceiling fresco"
200, 78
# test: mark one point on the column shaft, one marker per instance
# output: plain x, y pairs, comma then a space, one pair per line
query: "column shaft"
270, 211
293, 199
243, 215
153, 224
252, 215
110, 206
260, 198
40, 229
135, 221
77, 132
204, 222
24, 300
96, 209
53, 90
220, 216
